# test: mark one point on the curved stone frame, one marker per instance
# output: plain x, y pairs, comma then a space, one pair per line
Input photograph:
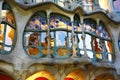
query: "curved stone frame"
7, 23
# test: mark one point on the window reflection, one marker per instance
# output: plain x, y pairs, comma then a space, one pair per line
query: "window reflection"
61, 38
34, 39
8, 16
9, 37
44, 39
88, 42
1, 32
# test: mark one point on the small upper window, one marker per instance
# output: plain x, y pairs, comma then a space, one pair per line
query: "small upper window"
7, 30
116, 5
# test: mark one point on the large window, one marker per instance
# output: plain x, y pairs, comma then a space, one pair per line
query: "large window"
35, 40
7, 30
58, 37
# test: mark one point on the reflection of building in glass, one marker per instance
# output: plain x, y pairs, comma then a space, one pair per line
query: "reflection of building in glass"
59, 40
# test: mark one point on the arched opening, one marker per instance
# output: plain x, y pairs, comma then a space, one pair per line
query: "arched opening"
7, 30
104, 77
76, 75
42, 75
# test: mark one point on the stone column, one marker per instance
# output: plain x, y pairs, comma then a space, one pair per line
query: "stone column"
48, 33
83, 37
73, 41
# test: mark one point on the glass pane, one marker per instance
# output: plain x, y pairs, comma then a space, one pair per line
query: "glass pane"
108, 46
9, 37
109, 57
33, 51
117, 5
96, 45
102, 32
8, 16
1, 47
7, 48
1, 32
99, 57
33, 39
60, 38
90, 54
44, 39
88, 42
37, 22
51, 39
80, 42
58, 21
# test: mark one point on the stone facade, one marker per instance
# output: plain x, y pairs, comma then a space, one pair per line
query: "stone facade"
20, 66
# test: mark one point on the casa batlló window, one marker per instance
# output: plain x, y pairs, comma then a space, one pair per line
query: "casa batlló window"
59, 37
7, 30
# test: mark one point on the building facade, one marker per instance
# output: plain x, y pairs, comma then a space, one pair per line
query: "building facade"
59, 40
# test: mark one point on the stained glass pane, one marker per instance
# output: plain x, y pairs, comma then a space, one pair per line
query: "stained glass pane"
59, 21
33, 51
1, 32
9, 37
37, 23
7, 15
90, 26
34, 39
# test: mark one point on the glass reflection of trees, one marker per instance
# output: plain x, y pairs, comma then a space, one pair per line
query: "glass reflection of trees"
98, 41
7, 30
